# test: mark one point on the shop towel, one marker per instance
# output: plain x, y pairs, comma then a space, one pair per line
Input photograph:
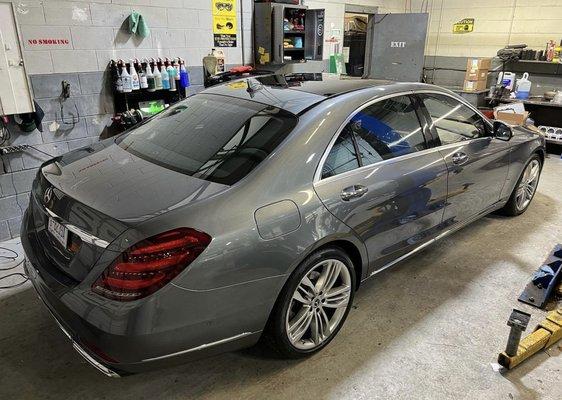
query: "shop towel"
137, 25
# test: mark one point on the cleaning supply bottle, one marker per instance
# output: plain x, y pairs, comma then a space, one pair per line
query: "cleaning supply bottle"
177, 69
165, 77
118, 82
184, 76
157, 76
523, 87
134, 76
171, 76
126, 79
150, 81
143, 81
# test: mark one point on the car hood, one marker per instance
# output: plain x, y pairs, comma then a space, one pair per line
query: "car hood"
123, 186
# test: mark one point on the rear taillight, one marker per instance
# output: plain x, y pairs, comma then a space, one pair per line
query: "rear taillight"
148, 265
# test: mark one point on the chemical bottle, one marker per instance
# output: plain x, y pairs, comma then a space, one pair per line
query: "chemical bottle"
134, 76
184, 76
523, 88
165, 77
171, 76
126, 79
506, 79
157, 76
118, 82
177, 78
143, 81
150, 82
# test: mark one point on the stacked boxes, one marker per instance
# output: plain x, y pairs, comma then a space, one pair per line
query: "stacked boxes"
476, 74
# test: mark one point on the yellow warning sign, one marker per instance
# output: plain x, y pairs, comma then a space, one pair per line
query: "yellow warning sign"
224, 22
464, 26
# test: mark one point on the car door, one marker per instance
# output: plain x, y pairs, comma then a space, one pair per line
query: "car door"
383, 181
477, 162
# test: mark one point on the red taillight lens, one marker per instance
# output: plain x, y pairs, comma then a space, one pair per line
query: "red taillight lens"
148, 265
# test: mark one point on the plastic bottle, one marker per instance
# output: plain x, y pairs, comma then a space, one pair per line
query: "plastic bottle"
523, 87
171, 76
143, 81
184, 76
177, 78
126, 79
150, 81
157, 77
165, 77
118, 81
134, 76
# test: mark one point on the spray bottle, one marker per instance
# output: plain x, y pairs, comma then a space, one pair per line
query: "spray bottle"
143, 81
165, 77
126, 79
157, 76
171, 76
184, 76
150, 81
134, 76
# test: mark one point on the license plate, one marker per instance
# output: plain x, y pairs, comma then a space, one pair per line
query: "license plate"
59, 231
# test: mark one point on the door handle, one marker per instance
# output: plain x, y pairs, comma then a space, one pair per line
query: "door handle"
353, 192
459, 158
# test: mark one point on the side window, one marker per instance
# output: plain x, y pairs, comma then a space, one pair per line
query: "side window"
452, 120
387, 129
342, 156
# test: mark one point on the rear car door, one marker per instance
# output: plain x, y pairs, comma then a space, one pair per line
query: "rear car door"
381, 179
477, 162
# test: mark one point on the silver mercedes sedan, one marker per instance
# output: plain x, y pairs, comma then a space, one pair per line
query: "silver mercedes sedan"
255, 209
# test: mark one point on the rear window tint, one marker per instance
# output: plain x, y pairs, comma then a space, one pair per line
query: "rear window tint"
216, 138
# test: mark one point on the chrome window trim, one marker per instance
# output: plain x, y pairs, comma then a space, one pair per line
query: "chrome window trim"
318, 173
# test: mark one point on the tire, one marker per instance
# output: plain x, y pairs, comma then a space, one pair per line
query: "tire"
513, 206
287, 308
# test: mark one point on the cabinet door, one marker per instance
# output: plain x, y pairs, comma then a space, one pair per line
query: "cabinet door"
278, 34
314, 35
15, 96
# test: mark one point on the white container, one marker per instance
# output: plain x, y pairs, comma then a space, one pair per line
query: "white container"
506, 79
523, 87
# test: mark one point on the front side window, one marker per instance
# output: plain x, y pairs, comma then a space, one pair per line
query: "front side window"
453, 121
219, 139
386, 129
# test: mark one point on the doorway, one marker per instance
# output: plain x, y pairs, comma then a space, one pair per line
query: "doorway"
355, 42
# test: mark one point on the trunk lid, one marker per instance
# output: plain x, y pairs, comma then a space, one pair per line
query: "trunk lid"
99, 192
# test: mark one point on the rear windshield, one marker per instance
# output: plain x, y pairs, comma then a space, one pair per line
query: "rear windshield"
216, 138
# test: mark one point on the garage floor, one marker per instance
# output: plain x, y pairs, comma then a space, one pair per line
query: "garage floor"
428, 328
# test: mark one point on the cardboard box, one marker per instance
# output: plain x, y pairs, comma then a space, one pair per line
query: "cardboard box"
476, 75
473, 86
511, 118
474, 64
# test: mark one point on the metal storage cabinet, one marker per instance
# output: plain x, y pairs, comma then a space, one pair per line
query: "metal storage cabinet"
270, 34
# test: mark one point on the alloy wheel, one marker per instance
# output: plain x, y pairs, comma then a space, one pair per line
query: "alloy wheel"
318, 304
527, 185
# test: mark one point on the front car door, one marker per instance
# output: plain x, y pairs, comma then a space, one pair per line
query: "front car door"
477, 162
381, 179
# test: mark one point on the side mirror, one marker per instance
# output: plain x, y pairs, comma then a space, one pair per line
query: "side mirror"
502, 131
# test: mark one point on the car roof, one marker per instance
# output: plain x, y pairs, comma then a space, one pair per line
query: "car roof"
294, 92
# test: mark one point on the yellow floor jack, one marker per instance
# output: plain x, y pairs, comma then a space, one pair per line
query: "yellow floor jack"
547, 333
544, 285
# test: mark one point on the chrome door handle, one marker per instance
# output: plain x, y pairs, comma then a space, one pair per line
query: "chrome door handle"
459, 158
353, 192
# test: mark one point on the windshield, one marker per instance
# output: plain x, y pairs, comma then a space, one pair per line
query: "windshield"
216, 138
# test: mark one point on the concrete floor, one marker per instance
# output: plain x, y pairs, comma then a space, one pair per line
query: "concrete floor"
430, 328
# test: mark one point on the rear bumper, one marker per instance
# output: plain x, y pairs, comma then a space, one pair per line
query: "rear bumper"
170, 327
